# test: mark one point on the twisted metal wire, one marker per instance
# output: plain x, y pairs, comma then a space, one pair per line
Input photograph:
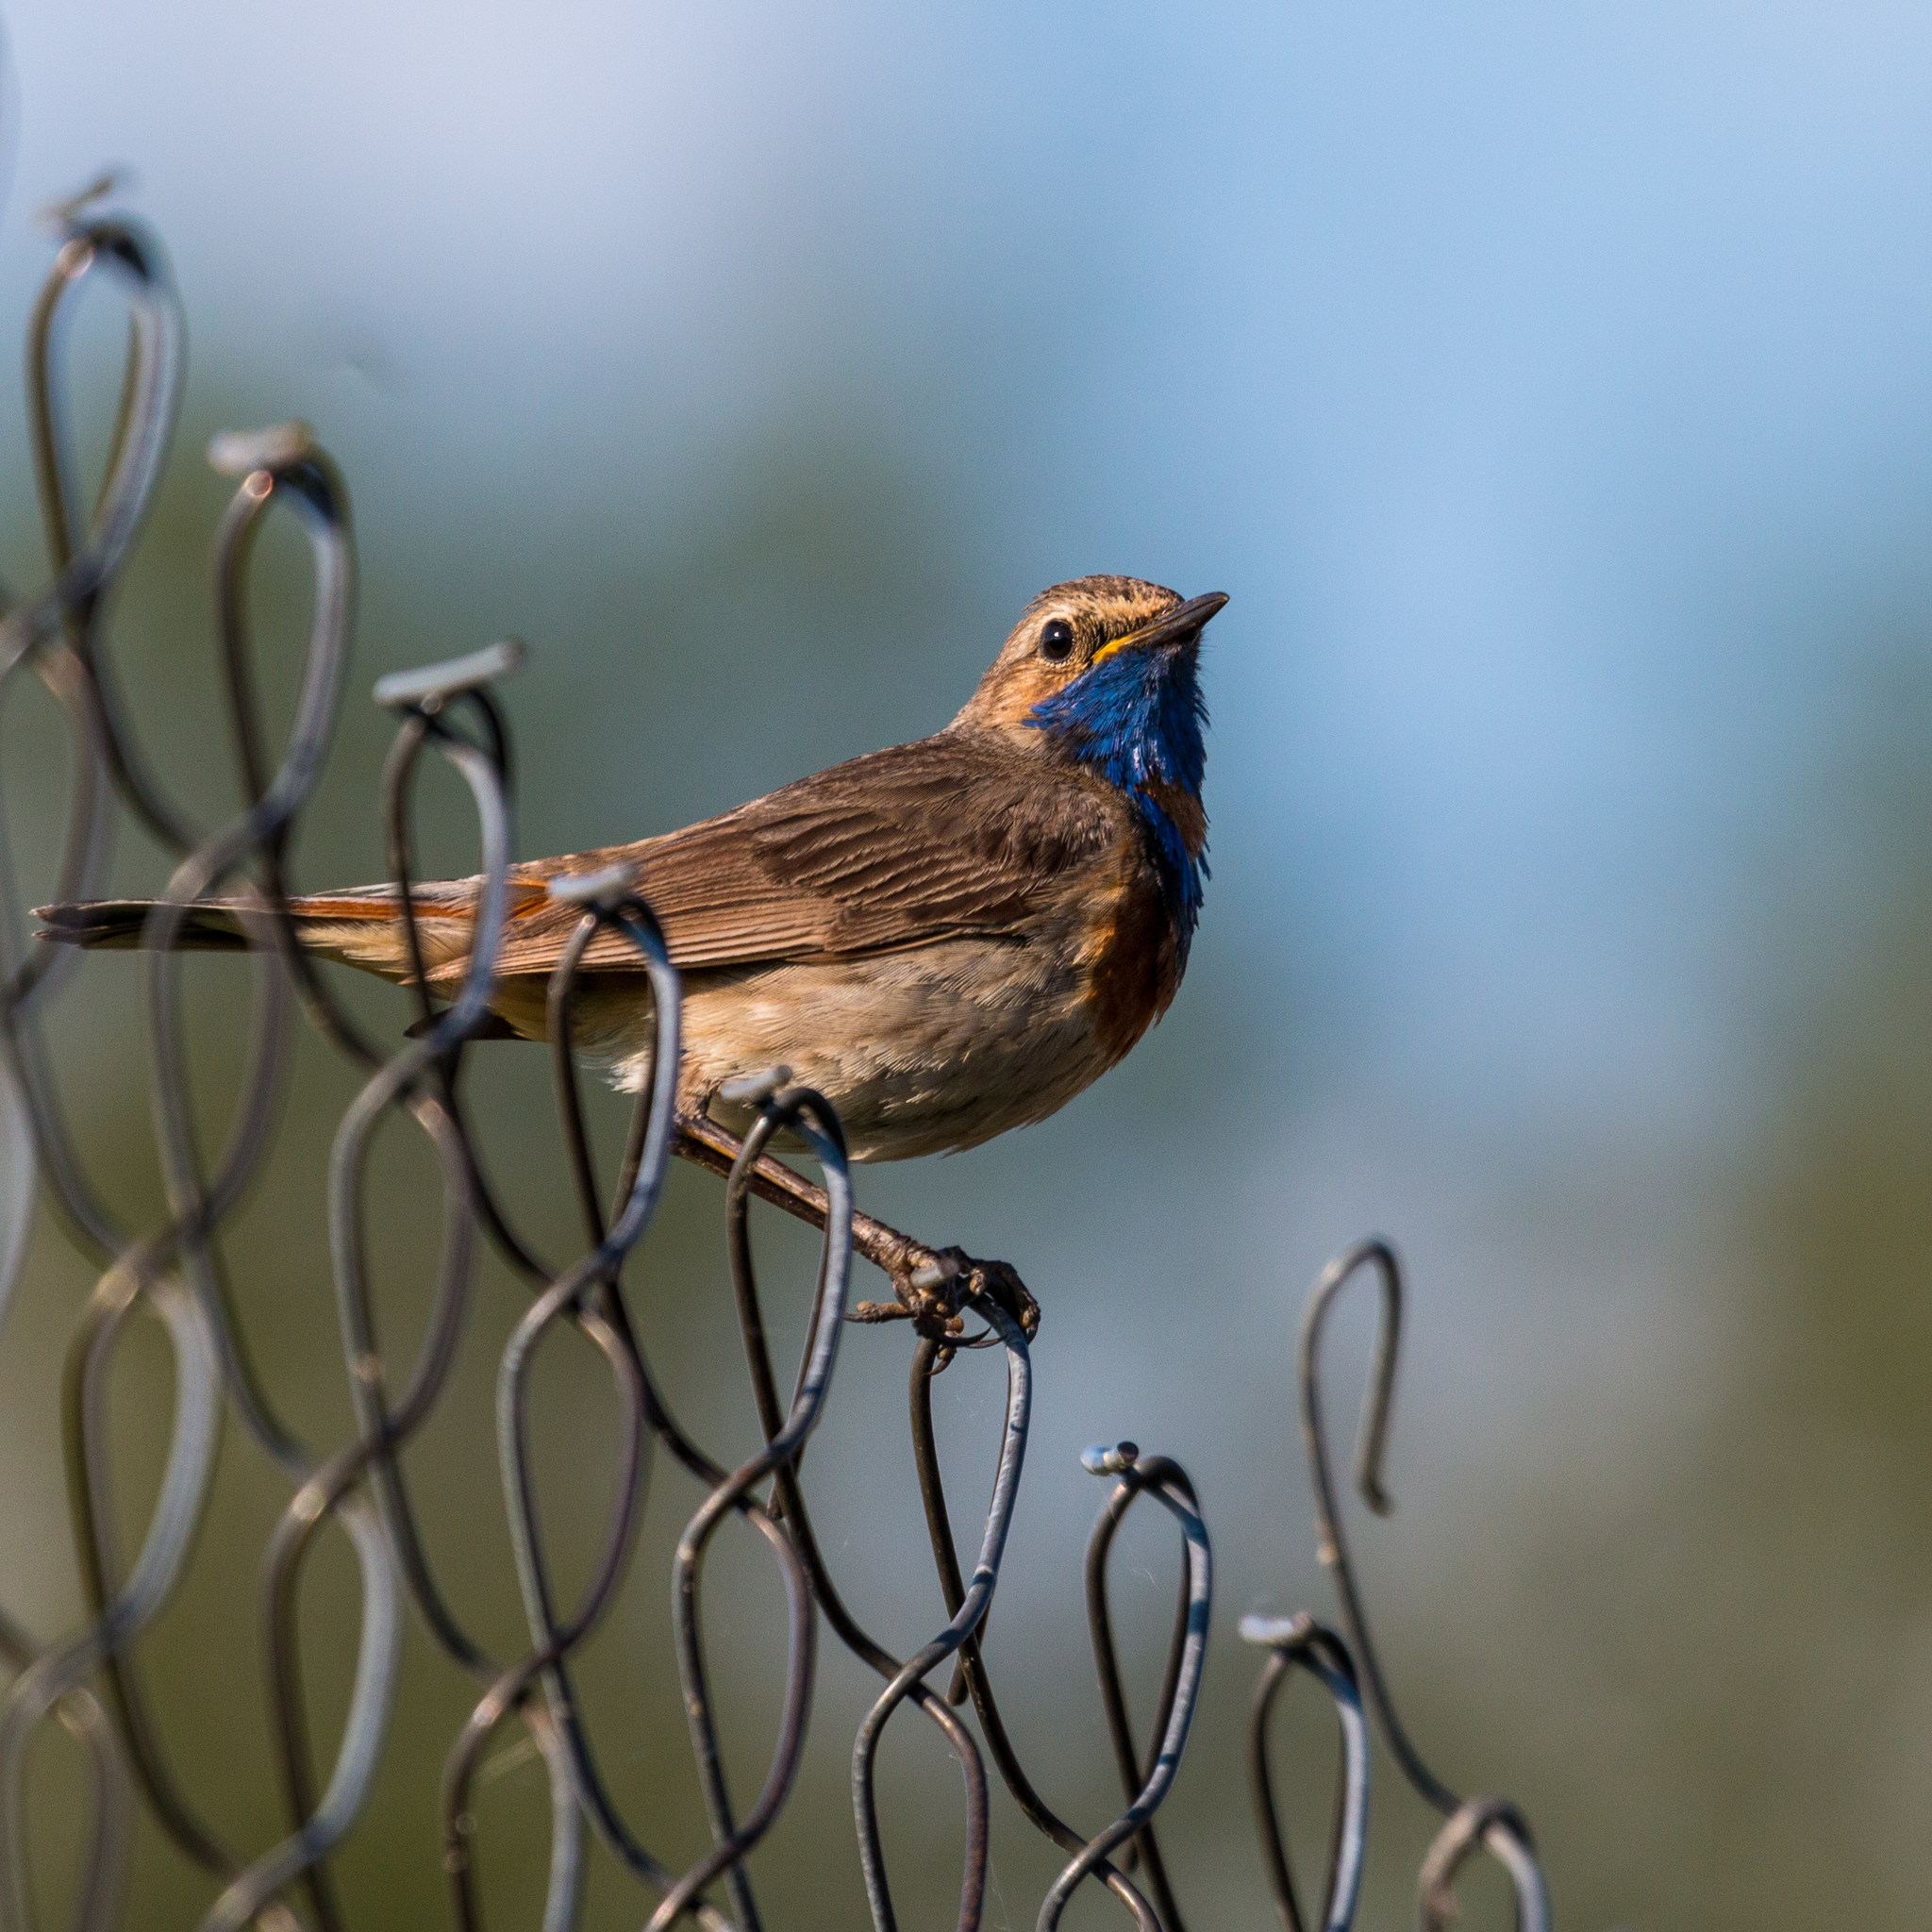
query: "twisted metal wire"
1493, 1822
177, 1271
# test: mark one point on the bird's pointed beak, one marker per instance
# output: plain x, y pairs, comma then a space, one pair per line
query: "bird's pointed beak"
1182, 624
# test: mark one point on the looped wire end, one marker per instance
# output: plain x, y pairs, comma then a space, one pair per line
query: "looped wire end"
279, 446
428, 688
1110, 1459
1501, 1829
1277, 1633
606, 890
754, 1089
64, 216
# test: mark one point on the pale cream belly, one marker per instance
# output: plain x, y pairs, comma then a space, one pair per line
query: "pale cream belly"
921, 1051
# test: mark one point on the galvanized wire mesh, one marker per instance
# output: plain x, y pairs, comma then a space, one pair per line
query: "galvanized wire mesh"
92, 1681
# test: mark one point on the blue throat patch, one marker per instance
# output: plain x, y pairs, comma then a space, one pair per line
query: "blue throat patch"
1136, 718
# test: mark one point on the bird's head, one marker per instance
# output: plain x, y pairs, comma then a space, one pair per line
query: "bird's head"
1103, 672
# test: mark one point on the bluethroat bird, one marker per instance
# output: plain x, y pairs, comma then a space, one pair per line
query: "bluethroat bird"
946, 938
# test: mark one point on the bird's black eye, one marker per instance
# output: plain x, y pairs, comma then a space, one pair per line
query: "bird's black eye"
1056, 642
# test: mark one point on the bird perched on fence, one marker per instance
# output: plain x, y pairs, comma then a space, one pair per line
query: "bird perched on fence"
946, 938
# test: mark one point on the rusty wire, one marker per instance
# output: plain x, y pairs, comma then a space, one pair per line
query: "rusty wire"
91, 1680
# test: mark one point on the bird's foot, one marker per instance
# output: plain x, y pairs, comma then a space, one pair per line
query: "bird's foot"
933, 1284
926, 1291
999, 1282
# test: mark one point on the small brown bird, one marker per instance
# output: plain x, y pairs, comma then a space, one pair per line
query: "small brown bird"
947, 938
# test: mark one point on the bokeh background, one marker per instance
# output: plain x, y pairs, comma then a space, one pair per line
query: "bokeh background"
1550, 391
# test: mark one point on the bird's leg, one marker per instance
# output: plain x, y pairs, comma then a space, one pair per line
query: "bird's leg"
927, 1281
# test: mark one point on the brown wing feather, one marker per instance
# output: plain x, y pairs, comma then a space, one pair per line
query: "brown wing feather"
956, 834
895, 849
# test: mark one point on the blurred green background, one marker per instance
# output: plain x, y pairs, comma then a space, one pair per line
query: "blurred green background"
1550, 393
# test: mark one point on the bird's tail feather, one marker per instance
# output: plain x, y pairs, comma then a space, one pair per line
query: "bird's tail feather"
116, 925
361, 926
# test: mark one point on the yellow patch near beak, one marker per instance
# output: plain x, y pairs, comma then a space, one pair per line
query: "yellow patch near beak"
1133, 636
1178, 622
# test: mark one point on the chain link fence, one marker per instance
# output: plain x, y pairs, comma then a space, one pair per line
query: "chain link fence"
92, 1680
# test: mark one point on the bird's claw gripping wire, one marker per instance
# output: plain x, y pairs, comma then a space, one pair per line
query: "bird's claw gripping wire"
999, 1281
926, 1294
931, 1288
929, 1285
